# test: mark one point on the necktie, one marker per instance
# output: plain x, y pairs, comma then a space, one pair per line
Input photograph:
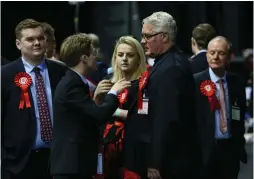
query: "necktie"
223, 118
44, 115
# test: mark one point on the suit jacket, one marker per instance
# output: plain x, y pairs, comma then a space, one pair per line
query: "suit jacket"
4, 61
136, 136
199, 62
75, 129
206, 118
18, 127
174, 142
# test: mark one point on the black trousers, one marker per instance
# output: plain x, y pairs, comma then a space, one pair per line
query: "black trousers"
224, 162
37, 167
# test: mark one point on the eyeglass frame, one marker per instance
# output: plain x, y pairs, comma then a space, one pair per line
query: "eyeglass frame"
147, 37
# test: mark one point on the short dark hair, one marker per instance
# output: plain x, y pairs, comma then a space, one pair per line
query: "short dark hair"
202, 34
26, 24
48, 29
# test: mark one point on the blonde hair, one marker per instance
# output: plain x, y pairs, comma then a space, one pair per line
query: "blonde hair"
117, 75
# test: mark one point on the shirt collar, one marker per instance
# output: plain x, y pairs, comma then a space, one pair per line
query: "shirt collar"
82, 77
29, 68
204, 50
214, 77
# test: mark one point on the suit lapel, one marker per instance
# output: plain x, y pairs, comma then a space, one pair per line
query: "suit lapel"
205, 103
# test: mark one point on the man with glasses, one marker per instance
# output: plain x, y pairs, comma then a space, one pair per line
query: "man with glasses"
174, 151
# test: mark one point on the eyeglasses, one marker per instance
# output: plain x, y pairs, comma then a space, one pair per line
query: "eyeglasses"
147, 36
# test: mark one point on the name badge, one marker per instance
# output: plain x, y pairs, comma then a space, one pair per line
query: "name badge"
235, 113
144, 109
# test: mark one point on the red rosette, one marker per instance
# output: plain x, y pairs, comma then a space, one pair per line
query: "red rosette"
208, 88
23, 81
122, 97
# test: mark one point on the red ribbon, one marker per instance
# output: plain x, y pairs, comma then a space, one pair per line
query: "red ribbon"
127, 174
214, 103
142, 84
23, 80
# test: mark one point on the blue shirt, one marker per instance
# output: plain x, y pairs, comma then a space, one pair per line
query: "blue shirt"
44, 72
218, 133
86, 82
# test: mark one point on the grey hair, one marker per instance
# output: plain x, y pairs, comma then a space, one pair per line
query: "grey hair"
162, 22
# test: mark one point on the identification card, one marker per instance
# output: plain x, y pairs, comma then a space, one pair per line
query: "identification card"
144, 109
99, 164
235, 113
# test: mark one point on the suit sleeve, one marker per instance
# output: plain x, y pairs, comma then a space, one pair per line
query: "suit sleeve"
166, 113
80, 100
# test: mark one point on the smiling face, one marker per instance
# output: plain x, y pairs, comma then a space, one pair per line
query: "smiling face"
126, 58
32, 43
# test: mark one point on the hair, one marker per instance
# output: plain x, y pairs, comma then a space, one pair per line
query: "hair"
73, 47
95, 40
117, 75
202, 34
162, 22
48, 30
26, 24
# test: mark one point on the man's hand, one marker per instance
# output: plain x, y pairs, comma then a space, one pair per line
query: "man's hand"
120, 85
102, 88
153, 173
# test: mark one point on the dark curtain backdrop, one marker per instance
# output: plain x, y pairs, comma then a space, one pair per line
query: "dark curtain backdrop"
231, 19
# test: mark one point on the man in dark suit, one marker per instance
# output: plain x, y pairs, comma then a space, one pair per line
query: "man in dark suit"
27, 89
174, 152
201, 35
220, 121
76, 116
4, 61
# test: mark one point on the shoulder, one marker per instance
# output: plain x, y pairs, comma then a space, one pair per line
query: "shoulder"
200, 75
57, 65
9, 65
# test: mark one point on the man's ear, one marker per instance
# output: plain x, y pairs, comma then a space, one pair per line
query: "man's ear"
193, 41
165, 37
84, 59
18, 44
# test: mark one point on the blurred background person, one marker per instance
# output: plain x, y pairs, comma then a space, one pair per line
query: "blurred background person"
50, 42
201, 35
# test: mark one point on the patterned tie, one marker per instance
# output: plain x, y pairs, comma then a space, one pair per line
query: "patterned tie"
44, 115
223, 118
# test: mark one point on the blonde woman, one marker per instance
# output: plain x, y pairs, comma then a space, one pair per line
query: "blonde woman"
128, 62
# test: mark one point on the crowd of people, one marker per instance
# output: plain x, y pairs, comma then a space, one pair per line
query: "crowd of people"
73, 117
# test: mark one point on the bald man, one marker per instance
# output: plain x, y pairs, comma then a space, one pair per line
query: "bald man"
221, 121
